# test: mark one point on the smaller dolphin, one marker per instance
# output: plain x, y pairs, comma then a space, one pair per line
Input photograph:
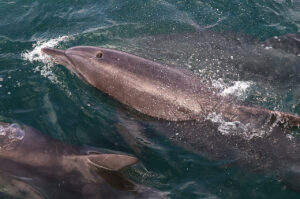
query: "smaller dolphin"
42, 167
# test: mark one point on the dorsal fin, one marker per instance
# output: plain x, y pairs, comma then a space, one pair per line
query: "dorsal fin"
113, 162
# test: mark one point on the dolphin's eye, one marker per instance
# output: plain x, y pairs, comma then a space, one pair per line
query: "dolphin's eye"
99, 55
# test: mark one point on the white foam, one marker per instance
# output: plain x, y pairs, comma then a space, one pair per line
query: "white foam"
236, 88
247, 131
36, 55
268, 47
13, 132
16, 132
2, 131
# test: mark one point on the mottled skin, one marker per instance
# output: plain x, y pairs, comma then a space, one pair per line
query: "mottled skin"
37, 163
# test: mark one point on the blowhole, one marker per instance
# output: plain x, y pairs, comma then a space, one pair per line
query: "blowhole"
99, 55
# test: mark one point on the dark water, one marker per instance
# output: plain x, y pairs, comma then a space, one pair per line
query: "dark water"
49, 98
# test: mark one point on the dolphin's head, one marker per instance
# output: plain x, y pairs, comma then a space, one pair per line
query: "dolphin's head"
85, 60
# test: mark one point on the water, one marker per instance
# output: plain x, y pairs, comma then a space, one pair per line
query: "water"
48, 97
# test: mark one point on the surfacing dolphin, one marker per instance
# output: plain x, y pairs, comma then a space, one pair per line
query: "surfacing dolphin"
34, 165
158, 90
188, 111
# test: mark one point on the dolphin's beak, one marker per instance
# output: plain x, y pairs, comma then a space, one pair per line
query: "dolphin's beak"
58, 56
53, 52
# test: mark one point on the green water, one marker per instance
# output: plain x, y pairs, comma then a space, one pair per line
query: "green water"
48, 97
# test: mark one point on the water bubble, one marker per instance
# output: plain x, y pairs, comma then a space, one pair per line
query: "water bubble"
15, 132
247, 131
45, 66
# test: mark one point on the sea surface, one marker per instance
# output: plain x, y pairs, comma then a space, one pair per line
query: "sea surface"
46, 96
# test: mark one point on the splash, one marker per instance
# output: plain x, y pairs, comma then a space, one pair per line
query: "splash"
10, 136
12, 132
247, 131
36, 55
235, 88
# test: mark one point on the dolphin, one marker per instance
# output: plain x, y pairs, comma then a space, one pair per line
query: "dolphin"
187, 110
158, 90
223, 54
38, 166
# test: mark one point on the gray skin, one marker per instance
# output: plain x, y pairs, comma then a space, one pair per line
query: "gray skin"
34, 165
186, 110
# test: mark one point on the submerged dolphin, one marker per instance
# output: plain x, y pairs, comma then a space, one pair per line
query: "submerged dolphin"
224, 55
41, 167
188, 111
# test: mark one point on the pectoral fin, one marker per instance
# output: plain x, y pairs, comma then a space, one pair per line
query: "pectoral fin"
113, 162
